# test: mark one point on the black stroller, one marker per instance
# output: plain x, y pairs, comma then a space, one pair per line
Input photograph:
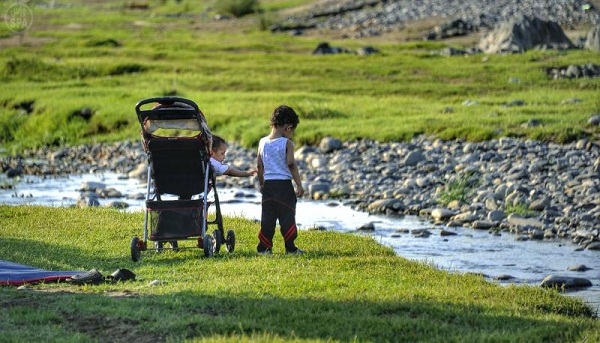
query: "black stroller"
177, 141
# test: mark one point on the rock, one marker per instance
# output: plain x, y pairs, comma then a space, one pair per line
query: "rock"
318, 162
367, 50
465, 217
140, 172
92, 186
496, 216
367, 227
518, 220
578, 268
320, 187
88, 199
566, 282
422, 233
329, 144
592, 41
540, 204
594, 120
441, 214
108, 193
536, 234
524, 33
413, 158
593, 246
381, 205
326, 49
483, 224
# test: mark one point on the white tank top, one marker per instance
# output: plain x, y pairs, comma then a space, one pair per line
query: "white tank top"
274, 158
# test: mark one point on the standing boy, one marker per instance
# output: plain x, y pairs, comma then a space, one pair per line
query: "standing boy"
276, 170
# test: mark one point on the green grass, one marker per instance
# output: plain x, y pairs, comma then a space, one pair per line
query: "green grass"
458, 189
104, 57
345, 288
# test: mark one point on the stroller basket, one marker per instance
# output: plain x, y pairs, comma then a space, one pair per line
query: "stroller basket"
176, 219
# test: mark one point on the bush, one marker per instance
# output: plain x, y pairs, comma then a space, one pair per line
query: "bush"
459, 188
126, 68
237, 8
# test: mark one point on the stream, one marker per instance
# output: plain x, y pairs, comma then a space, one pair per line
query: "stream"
467, 251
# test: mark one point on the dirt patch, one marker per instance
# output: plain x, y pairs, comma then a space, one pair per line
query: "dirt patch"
24, 40
100, 328
105, 329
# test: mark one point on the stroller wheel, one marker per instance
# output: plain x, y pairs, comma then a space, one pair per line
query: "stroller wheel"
230, 241
218, 240
208, 245
135, 251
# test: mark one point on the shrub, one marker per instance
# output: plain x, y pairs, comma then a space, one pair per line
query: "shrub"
520, 209
126, 68
459, 188
237, 8
35, 69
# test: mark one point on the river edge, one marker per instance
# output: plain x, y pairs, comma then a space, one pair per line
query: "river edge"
534, 190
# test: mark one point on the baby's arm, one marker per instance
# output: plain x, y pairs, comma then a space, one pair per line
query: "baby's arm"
232, 171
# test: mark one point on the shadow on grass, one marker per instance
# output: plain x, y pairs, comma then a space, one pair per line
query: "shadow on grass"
185, 315
69, 257
119, 314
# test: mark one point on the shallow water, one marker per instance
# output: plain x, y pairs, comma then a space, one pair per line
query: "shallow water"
469, 251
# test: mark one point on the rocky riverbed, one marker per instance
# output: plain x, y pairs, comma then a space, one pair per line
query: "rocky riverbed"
533, 190
364, 18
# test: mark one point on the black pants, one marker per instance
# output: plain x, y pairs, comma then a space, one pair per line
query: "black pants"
278, 203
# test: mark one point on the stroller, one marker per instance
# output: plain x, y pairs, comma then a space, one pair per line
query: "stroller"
177, 141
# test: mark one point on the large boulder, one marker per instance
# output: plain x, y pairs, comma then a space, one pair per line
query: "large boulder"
592, 41
525, 33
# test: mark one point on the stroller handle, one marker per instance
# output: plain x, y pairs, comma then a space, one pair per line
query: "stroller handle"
193, 111
165, 100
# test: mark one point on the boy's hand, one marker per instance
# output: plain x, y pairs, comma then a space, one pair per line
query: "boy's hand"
299, 191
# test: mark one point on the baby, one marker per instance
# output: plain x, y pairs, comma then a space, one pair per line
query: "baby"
217, 155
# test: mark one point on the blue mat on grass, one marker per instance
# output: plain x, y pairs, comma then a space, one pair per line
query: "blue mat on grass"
15, 274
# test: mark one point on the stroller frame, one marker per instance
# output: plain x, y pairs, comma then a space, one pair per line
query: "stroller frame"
178, 166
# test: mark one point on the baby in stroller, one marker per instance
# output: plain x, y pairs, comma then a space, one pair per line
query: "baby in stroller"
217, 156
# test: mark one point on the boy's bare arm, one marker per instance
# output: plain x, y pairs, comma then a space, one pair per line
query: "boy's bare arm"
260, 171
291, 162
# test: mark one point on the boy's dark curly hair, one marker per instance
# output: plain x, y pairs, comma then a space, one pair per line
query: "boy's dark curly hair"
284, 115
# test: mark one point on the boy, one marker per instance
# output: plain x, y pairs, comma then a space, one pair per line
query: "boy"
217, 155
276, 170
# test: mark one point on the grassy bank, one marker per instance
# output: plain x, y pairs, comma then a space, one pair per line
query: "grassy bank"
76, 73
346, 288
